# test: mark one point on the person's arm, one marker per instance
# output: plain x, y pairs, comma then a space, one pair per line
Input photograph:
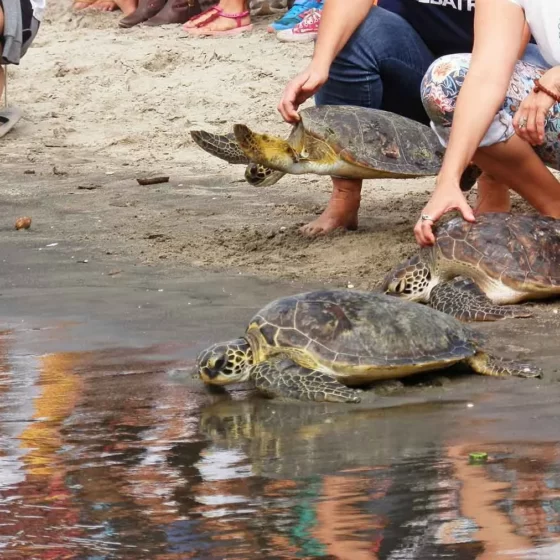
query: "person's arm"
525, 38
498, 31
338, 23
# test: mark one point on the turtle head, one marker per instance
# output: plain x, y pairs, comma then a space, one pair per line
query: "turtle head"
412, 280
265, 150
225, 362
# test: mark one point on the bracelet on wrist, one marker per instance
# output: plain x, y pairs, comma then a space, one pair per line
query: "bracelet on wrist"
539, 87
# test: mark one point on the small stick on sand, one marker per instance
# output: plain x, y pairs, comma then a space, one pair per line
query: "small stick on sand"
152, 180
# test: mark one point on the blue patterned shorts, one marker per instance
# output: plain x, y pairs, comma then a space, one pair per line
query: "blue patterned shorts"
441, 86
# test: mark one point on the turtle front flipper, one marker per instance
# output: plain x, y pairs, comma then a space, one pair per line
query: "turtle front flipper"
260, 176
284, 379
486, 364
223, 146
463, 299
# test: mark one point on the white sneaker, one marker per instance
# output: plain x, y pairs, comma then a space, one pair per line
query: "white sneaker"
305, 31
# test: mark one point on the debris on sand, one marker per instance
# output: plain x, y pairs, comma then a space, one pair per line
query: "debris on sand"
23, 223
152, 180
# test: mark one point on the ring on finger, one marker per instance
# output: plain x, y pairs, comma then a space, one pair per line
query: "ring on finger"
426, 218
523, 122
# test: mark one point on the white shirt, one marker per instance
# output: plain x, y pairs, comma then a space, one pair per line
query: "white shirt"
38, 8
543, 18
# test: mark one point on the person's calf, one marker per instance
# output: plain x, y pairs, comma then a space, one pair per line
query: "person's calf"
492, 196
341, 211
516, 164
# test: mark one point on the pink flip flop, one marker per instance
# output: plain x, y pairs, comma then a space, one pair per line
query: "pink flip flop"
199, 30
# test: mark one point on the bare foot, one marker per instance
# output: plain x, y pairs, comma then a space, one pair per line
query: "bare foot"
199, 19
492, 196
341, 211
104, 6
211, 23
127, 7
220, 25
79, 6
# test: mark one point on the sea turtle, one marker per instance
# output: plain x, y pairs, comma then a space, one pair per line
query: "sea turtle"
500, 259
341, 141
313, 346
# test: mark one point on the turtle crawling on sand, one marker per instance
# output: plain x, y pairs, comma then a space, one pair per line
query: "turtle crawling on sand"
501, 259
314, 346
340, 141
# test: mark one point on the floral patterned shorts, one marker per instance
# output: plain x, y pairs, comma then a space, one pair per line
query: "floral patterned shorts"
440, 88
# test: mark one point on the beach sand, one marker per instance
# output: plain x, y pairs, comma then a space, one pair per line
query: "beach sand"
103, 106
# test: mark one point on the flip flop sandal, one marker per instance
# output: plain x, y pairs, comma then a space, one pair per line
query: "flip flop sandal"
199, 29
208, 12
8, 119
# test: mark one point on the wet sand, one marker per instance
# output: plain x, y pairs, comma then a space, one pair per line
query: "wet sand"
110, 448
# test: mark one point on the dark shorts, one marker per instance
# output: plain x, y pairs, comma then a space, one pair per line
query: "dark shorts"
30, 27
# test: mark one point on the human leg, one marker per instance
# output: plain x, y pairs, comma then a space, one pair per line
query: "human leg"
1, 44
380, 67
11, 52
494, 196
502, 154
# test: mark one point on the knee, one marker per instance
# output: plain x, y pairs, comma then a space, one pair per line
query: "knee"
441, 85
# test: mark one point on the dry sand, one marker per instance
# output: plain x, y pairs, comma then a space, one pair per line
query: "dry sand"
104, 106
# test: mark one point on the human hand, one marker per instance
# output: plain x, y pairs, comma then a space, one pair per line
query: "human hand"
446, 197
299, 90
530, 119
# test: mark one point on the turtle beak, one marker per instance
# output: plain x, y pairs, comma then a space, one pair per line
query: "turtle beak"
209, 374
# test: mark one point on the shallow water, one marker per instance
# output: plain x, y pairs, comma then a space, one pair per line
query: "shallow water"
119, 454
110, 450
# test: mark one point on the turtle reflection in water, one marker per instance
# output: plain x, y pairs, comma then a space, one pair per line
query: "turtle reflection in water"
340, 141
316, 346
296, 440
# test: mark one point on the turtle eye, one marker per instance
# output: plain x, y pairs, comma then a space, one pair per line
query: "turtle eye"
401, 287
220, 363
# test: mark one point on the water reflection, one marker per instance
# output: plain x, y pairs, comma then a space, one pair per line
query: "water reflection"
106, 455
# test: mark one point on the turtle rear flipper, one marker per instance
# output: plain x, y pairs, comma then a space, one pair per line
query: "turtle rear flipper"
223, 146
282, 378
486, 364
463, 299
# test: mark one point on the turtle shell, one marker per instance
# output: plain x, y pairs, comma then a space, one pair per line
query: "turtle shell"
376, 139
522, 251
361, 335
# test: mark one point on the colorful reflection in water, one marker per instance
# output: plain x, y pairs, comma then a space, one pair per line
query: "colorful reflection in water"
106, 455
